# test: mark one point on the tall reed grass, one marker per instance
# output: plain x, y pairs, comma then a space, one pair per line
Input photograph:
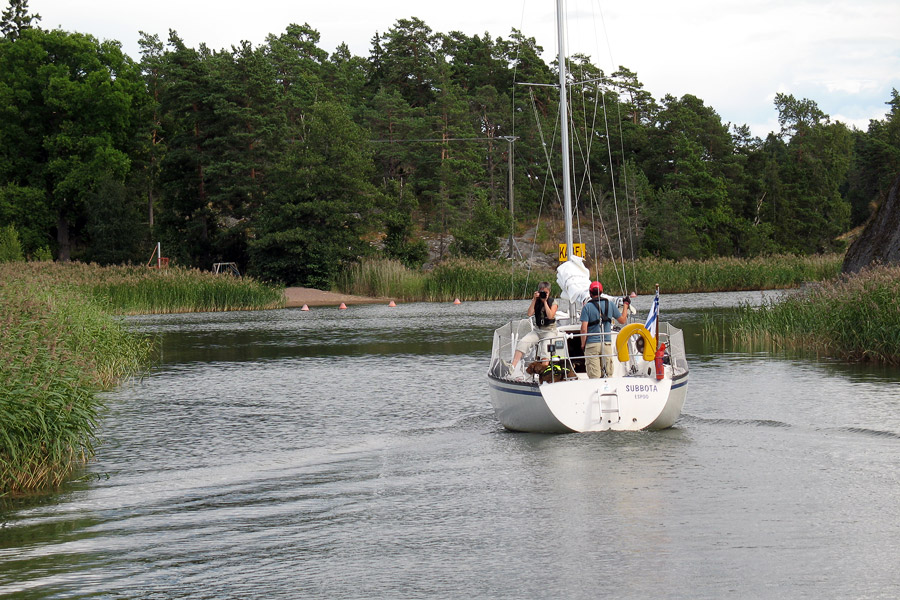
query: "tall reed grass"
460, 278
500, 280
139, 290
721, 274
59, 346
57, 349
855, 317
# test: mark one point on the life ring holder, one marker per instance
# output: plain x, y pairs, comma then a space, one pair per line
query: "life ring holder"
626, 333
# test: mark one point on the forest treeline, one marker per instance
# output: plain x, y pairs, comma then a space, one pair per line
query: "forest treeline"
294, 162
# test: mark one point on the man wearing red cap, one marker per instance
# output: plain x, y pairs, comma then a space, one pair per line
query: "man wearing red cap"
596, 318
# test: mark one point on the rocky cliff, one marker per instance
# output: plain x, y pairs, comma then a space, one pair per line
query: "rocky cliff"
880, 240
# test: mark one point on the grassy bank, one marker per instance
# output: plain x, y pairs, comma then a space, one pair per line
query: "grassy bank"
139, 290
498, 280
59, 346
463, 279
57, 349
852, 317
724, 274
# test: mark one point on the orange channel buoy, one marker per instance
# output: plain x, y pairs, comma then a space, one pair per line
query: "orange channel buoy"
457, 301
305, 307
342, 306
392, 303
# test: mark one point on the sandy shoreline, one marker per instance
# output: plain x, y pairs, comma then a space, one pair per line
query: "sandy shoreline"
298, 296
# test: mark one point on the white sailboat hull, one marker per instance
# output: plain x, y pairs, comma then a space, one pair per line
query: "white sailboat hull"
583, 405
632, 399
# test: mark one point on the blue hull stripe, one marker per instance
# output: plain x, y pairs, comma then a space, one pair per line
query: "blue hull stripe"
525, 391
516, 390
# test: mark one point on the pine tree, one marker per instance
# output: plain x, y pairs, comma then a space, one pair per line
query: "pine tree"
15, 19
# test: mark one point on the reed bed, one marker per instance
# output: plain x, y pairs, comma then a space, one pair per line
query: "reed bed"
460, 278
722, 274
139, 290
381, 279
854, 317
59, 346
501, 280
57, 350
482, 280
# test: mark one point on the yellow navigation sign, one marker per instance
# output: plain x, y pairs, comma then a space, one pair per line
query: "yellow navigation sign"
578, 249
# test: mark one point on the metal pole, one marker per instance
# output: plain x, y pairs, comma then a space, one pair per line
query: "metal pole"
564, 125
512, 224
656, 333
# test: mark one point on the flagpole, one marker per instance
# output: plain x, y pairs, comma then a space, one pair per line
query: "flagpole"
656, 300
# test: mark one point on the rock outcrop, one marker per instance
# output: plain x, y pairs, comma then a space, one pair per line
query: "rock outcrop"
880, 240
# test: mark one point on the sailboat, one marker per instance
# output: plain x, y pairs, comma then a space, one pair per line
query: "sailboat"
648, 384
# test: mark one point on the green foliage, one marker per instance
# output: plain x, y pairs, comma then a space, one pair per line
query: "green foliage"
809, 212
42, 254
875, 163
145, 291
408, 62
27, 209
59, 346
722, 274
311, 223
465, 279
225, 154
15, 19
10, 248
114, 225
854, 317
399, 243
381, 278
479, 236
469, 279
57, 349
69, 121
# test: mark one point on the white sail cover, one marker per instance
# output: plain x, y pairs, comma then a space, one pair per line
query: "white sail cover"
574, 279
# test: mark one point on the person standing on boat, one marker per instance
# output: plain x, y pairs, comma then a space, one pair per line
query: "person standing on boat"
596, 318
543, 308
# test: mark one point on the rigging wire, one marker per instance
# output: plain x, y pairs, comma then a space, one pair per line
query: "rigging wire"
612, 177
548, 158
585, 187
582, 149
511, 177
612, 62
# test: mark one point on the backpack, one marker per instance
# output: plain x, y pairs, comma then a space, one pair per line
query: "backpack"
603, 318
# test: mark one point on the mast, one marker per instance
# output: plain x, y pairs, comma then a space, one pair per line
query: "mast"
564, 125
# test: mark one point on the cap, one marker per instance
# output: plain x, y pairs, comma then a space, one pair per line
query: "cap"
596, 286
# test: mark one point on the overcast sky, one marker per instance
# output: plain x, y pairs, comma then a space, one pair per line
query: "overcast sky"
734, 55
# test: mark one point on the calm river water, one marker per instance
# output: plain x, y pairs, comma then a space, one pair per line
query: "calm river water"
354, 454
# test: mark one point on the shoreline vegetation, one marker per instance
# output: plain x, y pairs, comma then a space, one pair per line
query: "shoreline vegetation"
852, 317
468, 279
60, 345
57, 350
